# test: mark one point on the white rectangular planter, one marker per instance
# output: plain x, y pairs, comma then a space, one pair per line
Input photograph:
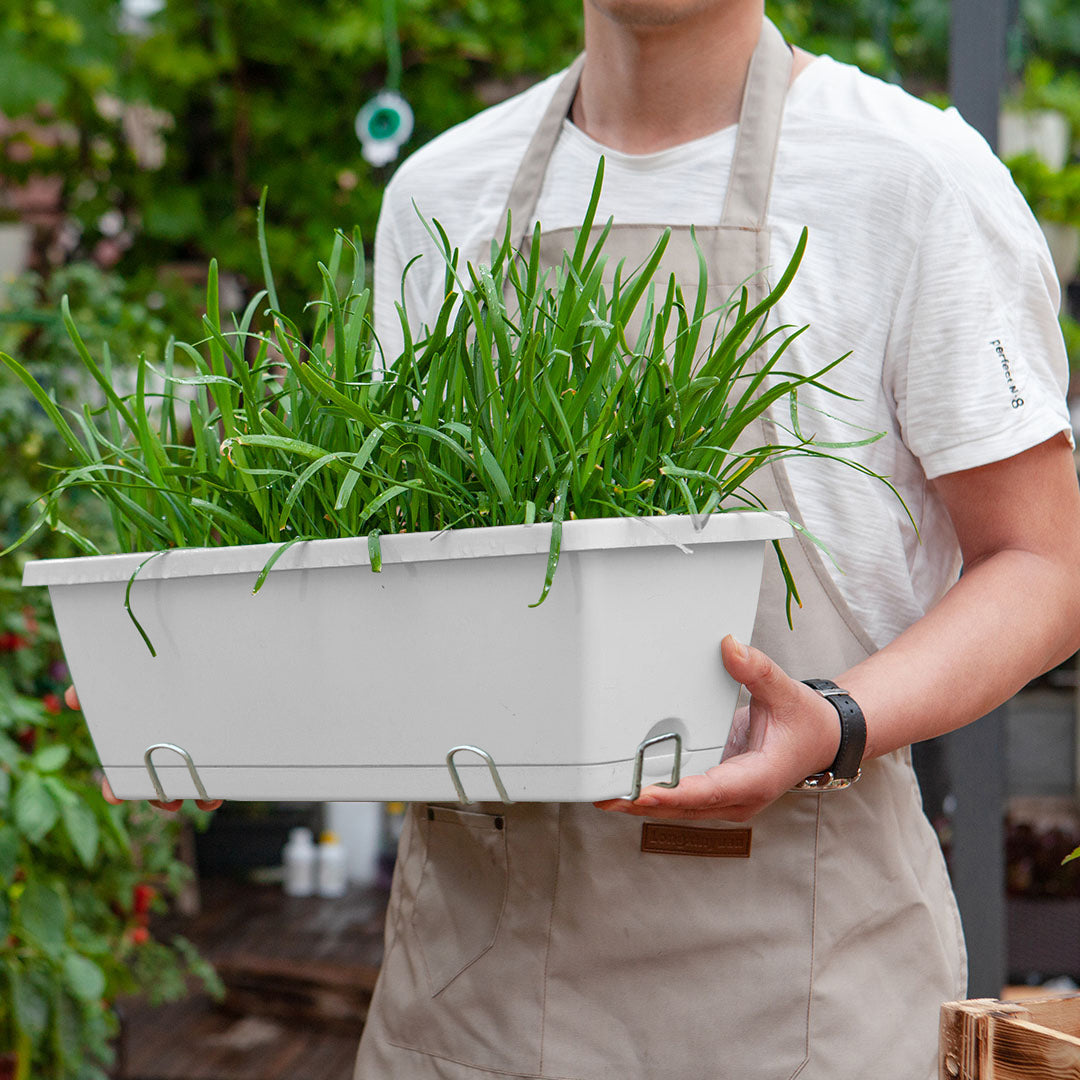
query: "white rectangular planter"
336, 683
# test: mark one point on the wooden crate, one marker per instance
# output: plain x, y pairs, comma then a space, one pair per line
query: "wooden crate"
987, 1039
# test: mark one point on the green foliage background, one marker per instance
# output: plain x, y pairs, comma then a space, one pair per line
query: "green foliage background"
264, 93
235, 95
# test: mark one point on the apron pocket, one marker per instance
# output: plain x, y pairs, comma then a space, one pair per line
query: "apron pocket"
462, 891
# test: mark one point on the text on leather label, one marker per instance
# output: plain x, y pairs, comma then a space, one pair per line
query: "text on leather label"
693, 840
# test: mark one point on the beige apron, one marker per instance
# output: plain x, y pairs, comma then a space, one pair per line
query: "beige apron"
540, 940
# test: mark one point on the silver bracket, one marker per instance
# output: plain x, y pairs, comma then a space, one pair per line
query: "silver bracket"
639, 763
491, 768
149, 763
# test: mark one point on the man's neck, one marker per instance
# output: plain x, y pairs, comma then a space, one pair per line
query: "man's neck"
647, 87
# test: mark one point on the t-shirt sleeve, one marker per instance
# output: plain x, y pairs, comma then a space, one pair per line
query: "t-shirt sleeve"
976, 362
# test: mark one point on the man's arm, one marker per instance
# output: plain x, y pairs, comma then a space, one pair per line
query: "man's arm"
1014, 614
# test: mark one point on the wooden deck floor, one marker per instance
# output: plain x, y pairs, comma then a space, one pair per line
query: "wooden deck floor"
299, 972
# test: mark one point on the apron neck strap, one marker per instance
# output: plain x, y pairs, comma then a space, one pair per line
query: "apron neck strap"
749, 186
750, 183
525, 191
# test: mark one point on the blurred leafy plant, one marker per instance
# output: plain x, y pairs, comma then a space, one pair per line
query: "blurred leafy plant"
898, 40
1053, 195
265, 93
1046, 87
1051, 30
78, 878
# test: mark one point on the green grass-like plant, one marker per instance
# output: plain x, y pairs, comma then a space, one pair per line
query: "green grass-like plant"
526, 400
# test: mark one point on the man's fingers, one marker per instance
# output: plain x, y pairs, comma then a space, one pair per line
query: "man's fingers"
173, 804
735, 790
740, 781
109, 797
71, 699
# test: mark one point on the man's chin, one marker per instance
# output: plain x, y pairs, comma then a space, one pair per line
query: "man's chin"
645, 13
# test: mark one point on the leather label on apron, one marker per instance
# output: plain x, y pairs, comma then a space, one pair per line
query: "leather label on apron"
693, 840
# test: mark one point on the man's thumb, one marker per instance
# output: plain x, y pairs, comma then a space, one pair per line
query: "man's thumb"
763, 677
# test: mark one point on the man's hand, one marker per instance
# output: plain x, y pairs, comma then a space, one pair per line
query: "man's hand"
72, 701
1018, 524
789, 732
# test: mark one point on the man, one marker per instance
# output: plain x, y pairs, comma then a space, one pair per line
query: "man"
542, 941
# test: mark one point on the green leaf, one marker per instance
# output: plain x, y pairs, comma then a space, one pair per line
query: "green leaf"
60, 791
5, 788
71, 1040
5, 916
199, 967
83, 831
30, 1001
26, 83
51, 758
10, 754
269, 564
374, 546
41, 913
9, 848
88, 941
35, 811
83, 977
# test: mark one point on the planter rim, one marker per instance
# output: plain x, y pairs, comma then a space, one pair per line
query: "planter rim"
578, 535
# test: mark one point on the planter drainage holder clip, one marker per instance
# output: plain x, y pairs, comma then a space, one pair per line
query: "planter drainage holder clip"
639, 763
148, 761
491, 768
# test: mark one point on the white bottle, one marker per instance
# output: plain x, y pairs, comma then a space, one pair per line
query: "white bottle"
332, 875
299, 858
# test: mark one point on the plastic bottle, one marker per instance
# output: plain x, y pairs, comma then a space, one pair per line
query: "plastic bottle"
299, 857
332, 876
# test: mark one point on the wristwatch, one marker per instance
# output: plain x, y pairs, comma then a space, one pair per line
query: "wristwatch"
844, 770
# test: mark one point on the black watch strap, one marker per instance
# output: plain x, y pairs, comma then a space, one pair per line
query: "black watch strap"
844, 770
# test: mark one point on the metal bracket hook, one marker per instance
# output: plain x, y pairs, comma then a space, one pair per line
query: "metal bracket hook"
639, 763
149, 763
491, 768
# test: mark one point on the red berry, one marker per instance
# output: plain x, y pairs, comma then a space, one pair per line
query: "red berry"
142, 897
140, 935
52, 704
27, 739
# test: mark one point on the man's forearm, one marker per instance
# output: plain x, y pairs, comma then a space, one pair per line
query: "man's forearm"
1008, 619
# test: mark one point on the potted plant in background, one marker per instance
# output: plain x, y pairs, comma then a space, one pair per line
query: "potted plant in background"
528, 420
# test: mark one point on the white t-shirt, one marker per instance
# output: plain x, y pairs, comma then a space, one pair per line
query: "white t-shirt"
923, 261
